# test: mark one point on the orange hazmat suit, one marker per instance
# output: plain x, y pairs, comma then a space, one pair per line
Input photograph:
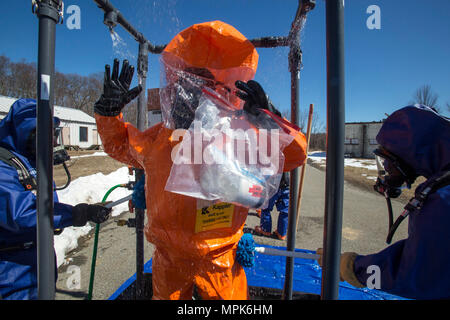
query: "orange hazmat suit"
188, 251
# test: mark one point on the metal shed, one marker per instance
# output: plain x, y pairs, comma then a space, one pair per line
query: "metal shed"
360, 139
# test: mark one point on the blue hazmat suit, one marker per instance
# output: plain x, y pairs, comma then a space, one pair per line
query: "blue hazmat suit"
417, 267
281, 200
18, 268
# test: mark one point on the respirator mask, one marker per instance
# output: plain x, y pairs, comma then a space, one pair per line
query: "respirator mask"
60, 155
182, 95
393, 176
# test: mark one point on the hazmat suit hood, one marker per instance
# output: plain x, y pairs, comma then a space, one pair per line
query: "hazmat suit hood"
419, 136
212, 54
17, 126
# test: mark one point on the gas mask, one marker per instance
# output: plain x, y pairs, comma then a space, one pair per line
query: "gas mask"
181, 97
60, 155
393, 174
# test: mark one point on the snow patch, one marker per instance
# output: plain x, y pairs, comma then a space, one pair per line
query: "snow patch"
95, 154
90, 189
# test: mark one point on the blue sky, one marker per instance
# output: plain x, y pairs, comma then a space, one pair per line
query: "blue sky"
383, 67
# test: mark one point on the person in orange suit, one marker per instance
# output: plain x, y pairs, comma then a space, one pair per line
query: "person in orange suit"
216, 55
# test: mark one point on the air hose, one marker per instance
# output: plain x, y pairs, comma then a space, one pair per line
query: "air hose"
94, 251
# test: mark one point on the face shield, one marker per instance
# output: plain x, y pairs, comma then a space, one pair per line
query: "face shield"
393, 174
181, 91
60, 155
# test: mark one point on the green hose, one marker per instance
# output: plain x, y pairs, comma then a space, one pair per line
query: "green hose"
94, 252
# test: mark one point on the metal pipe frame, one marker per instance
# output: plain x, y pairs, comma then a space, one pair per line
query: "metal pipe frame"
141, 125
295, 58
334, 185
295, 62
48, 13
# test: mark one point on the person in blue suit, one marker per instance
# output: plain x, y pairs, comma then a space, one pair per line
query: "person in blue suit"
281, 201
414, 141
18, 252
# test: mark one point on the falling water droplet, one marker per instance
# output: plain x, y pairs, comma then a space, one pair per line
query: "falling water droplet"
120, 47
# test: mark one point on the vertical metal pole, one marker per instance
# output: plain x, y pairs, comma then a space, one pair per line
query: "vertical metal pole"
142, 125
295, 57
142, 78
48, 15
335, 149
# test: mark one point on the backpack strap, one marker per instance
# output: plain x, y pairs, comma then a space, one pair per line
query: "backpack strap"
29, 184
430, 186
25, 178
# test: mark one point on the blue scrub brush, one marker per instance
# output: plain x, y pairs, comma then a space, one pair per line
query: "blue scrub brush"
245, 253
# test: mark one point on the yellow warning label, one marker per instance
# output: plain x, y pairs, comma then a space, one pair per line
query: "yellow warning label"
217, 216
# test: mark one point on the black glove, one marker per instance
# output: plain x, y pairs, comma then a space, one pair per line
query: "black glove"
255, 97
116, 93
83, 212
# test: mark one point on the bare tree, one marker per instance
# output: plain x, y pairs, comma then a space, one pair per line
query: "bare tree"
60, 88
424, 95
23, 79
317, 125
318, 141
4, 75
318, 136
92, 91
302, 117
19, 80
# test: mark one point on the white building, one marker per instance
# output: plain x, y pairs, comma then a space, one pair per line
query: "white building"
360, 139
79, 130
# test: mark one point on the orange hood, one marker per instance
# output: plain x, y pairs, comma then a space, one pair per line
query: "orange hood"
214, 45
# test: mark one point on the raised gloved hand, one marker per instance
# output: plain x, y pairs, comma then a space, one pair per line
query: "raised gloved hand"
138, 196
346, 270
83, 212
116, 93
255, 97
